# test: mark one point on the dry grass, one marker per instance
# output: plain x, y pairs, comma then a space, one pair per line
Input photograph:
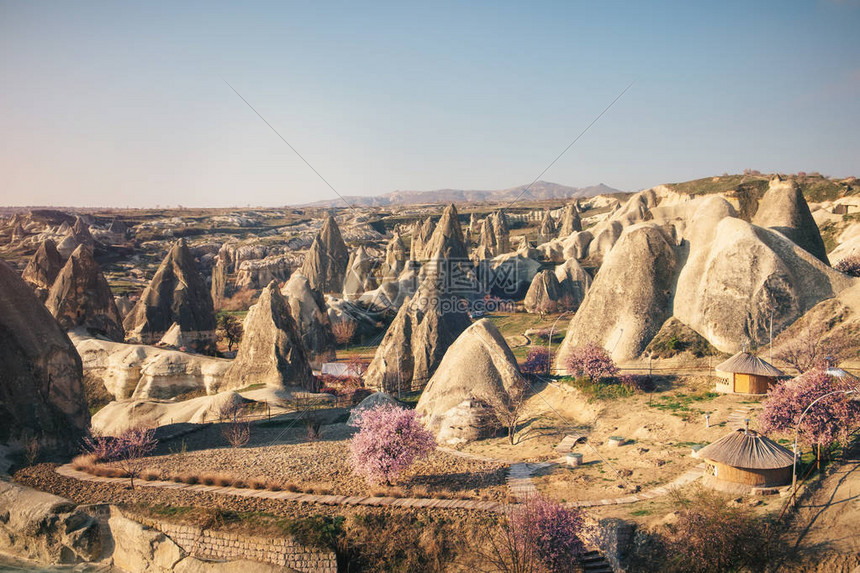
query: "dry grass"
257, 483
291, 487
149, 475
190, 479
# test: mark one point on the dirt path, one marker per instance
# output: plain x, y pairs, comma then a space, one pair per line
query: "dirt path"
830, 520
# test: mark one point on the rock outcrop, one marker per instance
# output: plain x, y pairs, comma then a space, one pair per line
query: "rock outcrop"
395, 259
417, 339
421, 233
574, 281
359, 274
470, 389
630, 297
784, 209
375, 399
495, 236
570, 221
325, 263
43, 268
41, 386
81, 296
176, 294
547, 228
218, 286
113, 418
545, 294
307, 308
256, 274
271, 352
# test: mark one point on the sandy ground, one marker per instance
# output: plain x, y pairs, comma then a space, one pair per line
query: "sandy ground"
830, 520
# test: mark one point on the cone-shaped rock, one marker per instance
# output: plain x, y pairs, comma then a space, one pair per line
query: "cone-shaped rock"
307, 308
82, 297
629, 299
359, 274
43, 267
81, 232
470, 385
495, 236
545, 294
784, 209
421, 234
177, 293
570, 221
574, 281
417, 339
547, 227
395, 259
218, 288
271, 351
447, 241
325, 263
41, 388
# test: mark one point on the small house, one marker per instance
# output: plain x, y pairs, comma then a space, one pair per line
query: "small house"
744, 373
743, 460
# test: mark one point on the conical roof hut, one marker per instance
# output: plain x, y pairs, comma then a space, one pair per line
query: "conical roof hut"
744, 373
744, 459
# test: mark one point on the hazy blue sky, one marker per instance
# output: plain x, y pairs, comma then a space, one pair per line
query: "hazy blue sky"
119, 103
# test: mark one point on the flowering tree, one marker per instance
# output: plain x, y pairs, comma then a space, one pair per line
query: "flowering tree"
537, 361
812, 348
389, 440
828, 421
125, 451
538, 535
590, 360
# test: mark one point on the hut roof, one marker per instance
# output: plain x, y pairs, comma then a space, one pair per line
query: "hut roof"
748, 450
746, 363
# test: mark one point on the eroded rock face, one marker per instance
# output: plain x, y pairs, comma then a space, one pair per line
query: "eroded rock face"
271, 351
141, 371
738, 274
43, 268
307, 308
359, 274
325, 263
257, 274
629, 299
176, 294
470, 387
447, 242
395, 259
547, 227
545, 294
41, 390
417, 339
46, 528
81, 296
570, 221
574, 281
783, 208
218, 287
495, 236
421, 233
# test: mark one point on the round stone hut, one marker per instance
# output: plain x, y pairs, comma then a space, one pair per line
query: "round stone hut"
743, 460
744, 373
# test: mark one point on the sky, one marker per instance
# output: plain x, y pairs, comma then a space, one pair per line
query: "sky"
116, 104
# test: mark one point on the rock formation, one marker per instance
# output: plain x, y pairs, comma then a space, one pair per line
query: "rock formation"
375, 399
43, 268
142, 371
545, 294
421, 233
784, 209
509, 275
574, 281
547, 227
446, 241
256, 274
629, 299
495, 236
395, 259
176, 294
417, 339
271, 352
41, 390
218, 287
570, 221
359, 274
123, 305
307, 308
325, 263
113, 418
81, 296
470, 389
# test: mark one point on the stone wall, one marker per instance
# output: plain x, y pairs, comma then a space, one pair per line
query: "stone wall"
225, 546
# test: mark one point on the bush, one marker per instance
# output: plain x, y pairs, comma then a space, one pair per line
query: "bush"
607, 389
638, 382
537, 361
592, 361
850, 265
389, 440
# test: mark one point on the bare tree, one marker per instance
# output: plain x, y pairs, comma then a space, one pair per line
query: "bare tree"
812, 348
235, 429
508, 413
343, 331
130, 449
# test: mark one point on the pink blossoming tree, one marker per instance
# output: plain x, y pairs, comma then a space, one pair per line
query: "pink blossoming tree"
389, 440
590, 360
827, 422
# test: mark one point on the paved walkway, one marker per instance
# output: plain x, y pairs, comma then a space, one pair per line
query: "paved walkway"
519, 480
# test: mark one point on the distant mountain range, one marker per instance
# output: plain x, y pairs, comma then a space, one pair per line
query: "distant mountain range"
540, 190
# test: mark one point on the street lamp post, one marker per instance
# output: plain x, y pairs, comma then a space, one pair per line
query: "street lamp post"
797, 432
549, 341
